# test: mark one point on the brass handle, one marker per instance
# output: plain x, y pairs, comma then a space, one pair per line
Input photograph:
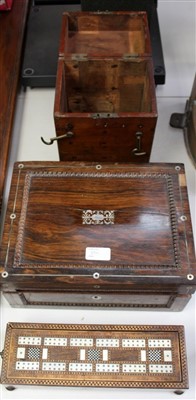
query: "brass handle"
69, 134
137, 151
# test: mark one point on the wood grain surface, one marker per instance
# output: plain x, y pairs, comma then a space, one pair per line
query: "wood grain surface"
12, 25
98, 233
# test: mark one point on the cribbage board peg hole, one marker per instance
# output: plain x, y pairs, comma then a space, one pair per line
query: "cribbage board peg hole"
4, 274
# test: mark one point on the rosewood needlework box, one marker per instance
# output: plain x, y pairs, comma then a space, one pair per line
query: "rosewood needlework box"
120, 356
98, 235
105, 103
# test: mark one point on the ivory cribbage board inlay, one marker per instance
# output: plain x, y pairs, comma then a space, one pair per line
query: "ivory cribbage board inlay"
95, 356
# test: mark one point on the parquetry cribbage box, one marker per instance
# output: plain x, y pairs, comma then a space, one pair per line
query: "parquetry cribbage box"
120, 356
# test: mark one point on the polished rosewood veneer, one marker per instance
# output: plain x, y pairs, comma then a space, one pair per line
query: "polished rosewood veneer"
98, 235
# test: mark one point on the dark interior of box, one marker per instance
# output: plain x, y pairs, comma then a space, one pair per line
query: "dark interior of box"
117, 34
106, 86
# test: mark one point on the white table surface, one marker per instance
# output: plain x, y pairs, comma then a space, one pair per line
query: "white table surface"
34, 118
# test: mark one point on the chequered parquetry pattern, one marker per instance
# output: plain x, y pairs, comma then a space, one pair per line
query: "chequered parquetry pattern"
33, 353
154, 355
93, 355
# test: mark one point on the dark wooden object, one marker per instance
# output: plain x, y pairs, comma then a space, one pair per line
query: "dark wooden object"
105, 103
12, 24
187, 122
120, 356
111, 235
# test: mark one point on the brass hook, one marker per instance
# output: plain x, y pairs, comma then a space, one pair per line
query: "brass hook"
66, 135
137, 151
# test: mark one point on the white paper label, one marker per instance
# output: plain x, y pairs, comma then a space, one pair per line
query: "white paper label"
98, 253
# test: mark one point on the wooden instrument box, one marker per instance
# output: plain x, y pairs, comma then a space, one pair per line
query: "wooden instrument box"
105, 103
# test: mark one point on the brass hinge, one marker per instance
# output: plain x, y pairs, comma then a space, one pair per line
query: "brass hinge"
79, 57
104, 115
128, 56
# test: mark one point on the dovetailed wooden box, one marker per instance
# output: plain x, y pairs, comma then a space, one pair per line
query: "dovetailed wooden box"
118, 356
98, 235
105, 103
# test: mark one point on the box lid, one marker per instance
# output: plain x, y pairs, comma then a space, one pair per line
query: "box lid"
99, 220
103, 34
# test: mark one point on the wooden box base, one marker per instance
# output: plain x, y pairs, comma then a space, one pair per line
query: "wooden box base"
139, 301
95, 356
105, 110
